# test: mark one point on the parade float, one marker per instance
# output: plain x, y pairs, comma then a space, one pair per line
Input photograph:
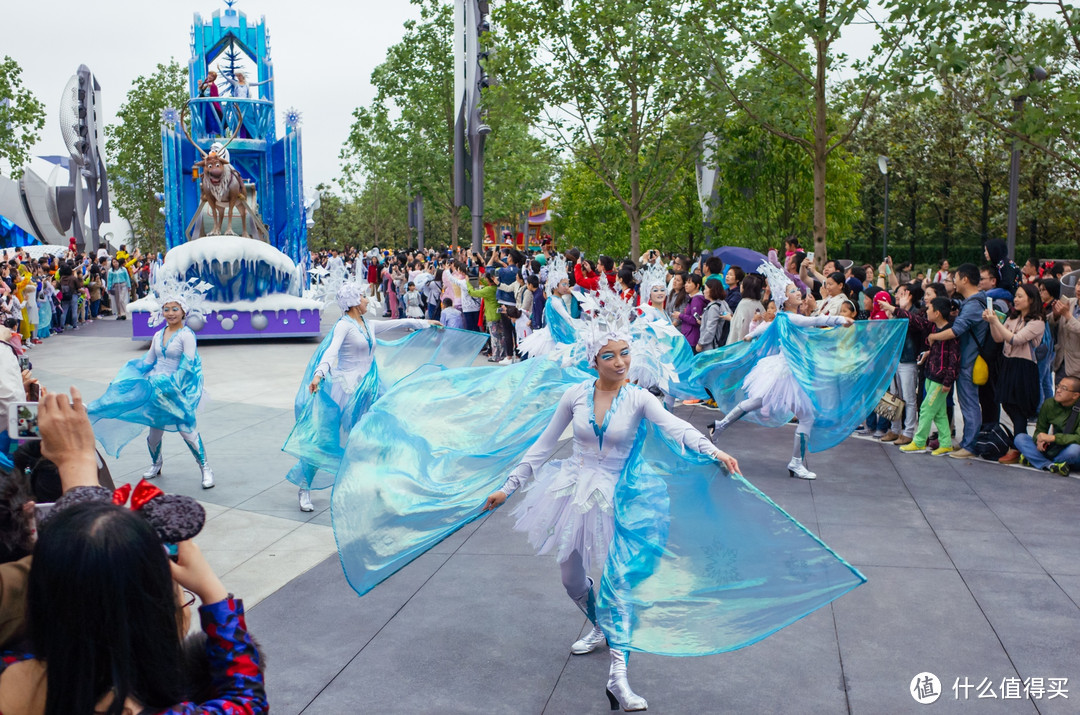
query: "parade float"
233, 199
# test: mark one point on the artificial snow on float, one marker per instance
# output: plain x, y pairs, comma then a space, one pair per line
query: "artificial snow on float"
256, 291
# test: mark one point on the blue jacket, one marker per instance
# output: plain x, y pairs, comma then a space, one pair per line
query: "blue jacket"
972, 330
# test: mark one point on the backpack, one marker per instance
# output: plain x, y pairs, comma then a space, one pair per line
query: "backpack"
1046, 347
992, 441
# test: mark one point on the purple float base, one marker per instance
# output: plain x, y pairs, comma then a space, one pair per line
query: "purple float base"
237, 324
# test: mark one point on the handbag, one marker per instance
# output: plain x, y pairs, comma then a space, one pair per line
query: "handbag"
890, 407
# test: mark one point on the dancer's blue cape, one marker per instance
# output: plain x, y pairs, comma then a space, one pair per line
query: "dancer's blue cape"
844, 371
316, 440
701, 562
135, 400
561, 328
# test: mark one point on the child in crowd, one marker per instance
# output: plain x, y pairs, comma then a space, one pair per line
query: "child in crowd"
451, 317
412, 302
942, 365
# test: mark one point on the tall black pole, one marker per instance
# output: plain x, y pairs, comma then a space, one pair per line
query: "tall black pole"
1014, 182
885, 223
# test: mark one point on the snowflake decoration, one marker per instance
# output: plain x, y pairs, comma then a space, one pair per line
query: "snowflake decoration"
293, 117
170, 116
722, 563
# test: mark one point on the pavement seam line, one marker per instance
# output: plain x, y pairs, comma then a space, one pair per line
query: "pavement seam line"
388, 620
950, 558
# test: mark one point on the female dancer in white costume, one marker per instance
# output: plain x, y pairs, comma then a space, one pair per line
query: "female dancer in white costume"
569, 508
347, 360
155, 391
770, 386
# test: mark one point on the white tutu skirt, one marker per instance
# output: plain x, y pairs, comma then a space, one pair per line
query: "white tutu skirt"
537, 343
414, 311
568, 508
771, 382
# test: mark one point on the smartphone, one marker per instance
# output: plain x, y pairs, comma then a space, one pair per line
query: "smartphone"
23, 421
990, 304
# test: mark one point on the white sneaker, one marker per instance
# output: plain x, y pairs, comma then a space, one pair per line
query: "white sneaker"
207, 477
507, 361
305, 501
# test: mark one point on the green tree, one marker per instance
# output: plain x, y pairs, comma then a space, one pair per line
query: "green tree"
405, 138
133, 146
22, 117
608, 91
791, 47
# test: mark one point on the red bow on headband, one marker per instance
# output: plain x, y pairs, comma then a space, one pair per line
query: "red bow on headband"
144, 492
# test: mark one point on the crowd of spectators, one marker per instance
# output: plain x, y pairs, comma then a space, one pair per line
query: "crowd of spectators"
995, 338
48, 294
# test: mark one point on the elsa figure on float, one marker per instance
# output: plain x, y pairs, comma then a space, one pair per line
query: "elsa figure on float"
339, 385
559, 327
570, 508
161, 390
770, 386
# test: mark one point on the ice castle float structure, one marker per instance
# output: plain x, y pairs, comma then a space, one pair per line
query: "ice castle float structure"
257, 283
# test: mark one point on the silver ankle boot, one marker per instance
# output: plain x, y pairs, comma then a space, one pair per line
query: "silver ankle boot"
305, 500
207, 476
589, 642
796, 468
594, 638
717, 427
154, 469
618, 687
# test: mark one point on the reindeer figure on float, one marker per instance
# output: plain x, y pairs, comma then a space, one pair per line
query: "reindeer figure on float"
222, 187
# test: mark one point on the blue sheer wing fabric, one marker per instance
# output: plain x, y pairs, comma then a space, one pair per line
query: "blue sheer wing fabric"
420, 464
703, 562
137, 399
843, 371
324, 419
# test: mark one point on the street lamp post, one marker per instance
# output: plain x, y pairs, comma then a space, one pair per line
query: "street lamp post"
883, 167
1038, 74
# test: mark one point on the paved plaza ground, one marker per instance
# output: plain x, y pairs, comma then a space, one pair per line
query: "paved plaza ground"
973, 572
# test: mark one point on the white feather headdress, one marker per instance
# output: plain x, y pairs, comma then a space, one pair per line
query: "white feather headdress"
189, 294
607, 317
556, 273
652, 274
337, 284
778, 282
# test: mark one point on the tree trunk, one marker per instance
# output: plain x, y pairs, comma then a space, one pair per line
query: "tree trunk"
985, 218
635, 234
914, 222
820, 139
1034, 225
947, 228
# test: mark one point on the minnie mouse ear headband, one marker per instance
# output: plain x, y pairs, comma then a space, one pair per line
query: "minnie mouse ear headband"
174, 517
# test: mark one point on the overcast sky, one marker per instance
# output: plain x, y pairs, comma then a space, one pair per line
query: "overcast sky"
323, 54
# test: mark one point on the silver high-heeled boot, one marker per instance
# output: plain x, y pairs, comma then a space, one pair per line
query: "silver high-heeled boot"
198, 450
618, 688
305, 500
155, 454
717, 428
594, 638
797, 465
